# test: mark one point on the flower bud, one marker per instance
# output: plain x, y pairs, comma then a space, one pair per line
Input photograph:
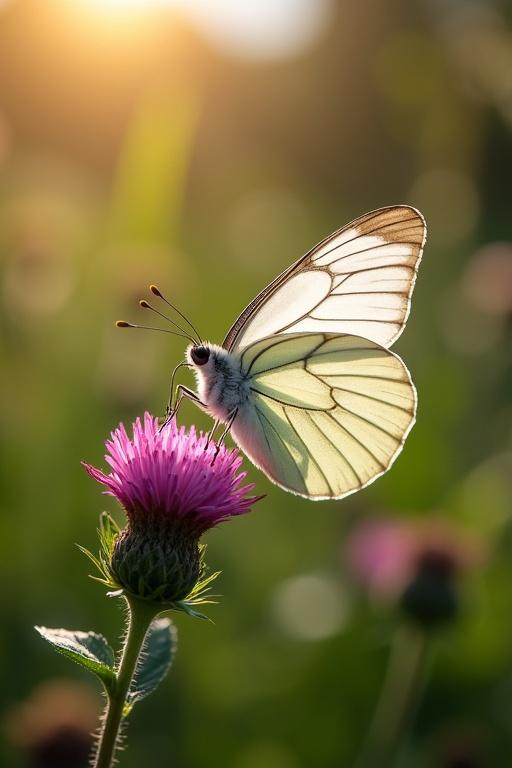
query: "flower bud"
159, 562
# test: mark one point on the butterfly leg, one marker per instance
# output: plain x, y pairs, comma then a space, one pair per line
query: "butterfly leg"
170, 402
181, 393
211, 433
229, 424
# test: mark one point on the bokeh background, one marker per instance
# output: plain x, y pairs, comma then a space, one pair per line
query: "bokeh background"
203, 146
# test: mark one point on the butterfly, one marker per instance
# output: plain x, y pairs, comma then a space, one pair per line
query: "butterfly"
304, 380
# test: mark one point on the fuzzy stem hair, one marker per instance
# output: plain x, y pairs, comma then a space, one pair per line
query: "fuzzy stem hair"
140, 614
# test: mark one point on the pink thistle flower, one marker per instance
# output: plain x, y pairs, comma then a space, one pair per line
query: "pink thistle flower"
171, 475
173, 485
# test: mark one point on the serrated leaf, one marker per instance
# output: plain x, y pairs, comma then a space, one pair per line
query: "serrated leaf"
88, 649
155, 660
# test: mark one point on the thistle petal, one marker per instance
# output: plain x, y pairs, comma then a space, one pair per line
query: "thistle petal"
168, 475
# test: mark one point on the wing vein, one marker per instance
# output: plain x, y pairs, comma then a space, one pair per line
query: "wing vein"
289, 362
362, 445
370, 422
279, 438
262, 352
367, 234
308, 452
340, 453
357, 319
370, 397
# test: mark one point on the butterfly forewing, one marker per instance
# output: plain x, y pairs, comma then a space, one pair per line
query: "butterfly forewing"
328, 414
358, 281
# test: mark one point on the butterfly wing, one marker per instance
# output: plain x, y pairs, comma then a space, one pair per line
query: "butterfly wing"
357, 281
327, 415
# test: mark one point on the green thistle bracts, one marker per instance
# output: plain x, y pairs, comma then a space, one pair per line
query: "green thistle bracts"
167, 566
157, 562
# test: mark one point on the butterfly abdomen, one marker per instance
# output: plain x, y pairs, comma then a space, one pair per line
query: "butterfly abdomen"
221, 384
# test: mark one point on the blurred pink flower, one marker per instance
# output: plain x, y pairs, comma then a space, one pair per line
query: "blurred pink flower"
385, 555
170, 476
379, 555
487, 282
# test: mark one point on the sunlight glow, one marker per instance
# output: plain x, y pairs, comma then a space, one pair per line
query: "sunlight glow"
125, 5
263, 28
121, 11
255, 30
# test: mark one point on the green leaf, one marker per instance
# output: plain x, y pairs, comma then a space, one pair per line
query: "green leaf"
88, 649
155, 660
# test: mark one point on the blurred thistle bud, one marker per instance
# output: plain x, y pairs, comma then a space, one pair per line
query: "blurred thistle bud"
174, 485
463, 743
54, 726
415, 564
431, 598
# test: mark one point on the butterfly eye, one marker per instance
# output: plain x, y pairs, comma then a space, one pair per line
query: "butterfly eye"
200, 355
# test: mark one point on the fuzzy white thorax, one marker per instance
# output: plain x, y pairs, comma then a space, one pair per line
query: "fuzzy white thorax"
221, 384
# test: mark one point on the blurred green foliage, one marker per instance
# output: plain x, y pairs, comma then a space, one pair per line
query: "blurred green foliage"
153, 156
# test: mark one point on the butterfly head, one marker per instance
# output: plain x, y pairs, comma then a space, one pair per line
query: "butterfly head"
209, 361
221, 386
201, 358
199, 354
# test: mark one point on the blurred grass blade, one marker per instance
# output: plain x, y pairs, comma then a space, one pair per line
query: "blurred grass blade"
152, 169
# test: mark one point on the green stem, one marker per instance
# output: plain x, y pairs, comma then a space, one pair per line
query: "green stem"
399, 697
140, 616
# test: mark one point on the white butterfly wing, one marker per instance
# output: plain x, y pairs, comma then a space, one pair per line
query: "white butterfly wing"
328, 414
357, 281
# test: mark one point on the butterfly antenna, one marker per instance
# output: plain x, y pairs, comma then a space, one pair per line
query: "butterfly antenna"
124, 324
146, 305
160, 295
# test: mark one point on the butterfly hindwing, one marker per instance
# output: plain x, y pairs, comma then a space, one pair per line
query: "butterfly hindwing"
357, 281
328, 414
